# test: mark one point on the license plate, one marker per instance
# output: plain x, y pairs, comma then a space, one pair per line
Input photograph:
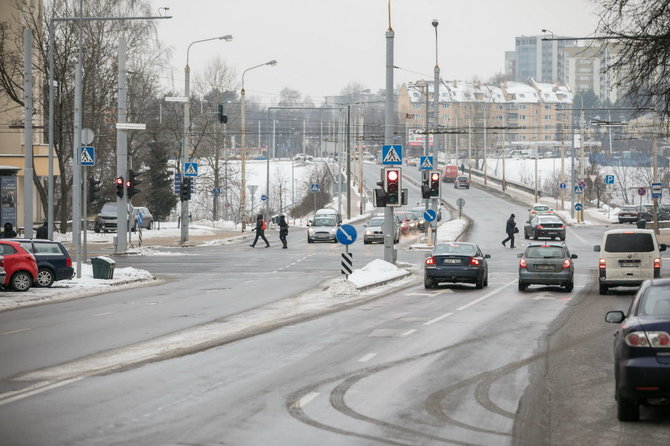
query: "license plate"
629, 264
545, 267
452, 261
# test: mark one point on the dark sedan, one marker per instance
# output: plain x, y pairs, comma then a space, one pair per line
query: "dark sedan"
456, 262
544, 226
642, 350
629, 214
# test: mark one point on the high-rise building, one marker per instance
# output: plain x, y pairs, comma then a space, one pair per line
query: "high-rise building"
542, 60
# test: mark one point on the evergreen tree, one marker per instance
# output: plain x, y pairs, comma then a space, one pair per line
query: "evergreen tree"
160, 197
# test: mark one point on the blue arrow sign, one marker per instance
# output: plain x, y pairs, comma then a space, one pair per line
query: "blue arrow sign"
562, 185
429, 215
578, 206
87, 156
346, 234
264, 197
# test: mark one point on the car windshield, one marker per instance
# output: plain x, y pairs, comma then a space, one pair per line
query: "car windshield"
656, 301
629, 208
629, 242
109, 208
549, 220
323, 221
455, 248
377, 221
545, 252
462, 178
540, 208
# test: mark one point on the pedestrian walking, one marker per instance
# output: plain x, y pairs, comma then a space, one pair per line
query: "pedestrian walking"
260, 231
510, 229
43, 231
283, 230
9, 231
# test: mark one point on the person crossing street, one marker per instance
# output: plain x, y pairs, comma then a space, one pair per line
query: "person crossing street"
260, 231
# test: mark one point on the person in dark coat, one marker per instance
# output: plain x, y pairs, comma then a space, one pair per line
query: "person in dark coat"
510, 229
283, 230
260, 232
43, 231
9, 231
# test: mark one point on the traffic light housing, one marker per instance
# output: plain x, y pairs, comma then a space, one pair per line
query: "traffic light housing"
223, 118
132, 183
435, 183
93, 189
392, 186
185, 192
119, 186
425, 184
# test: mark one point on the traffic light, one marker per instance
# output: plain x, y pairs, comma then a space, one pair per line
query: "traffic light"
392, 185
425, 184
132, 183
185, 192
223, 118
93, 189
119, 186
435, 183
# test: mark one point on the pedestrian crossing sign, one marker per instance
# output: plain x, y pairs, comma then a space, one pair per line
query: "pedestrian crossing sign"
392, 154
191, 169
426, 163
87, 156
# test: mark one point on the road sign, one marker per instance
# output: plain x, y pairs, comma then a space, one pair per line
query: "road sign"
140, 218
579, 190
642, 191
593, 177
191, 169
582, 184
347, 262
87, 156
216, 191
656, 190
609, 179
562, 186
392, 154
460, 202
264, 197
130, 126
314, 188
429, 215
177, 183
579, 206
426, 163
176, 99
346, 234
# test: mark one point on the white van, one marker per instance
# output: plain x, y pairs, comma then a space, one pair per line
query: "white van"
628, 257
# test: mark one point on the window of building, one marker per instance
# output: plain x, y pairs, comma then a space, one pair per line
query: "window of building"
548, 117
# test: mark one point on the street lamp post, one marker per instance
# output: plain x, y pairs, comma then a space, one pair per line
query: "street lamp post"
243, 111
187, 124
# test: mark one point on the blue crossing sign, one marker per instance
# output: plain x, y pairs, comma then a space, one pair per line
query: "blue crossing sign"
426, 163
314, 188
346, 234
87, 156
392, 154
191, 169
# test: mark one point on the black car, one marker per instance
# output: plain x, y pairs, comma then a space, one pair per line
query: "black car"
544, 225
53, 260
456, 262
647, 213
642, 350
629, 214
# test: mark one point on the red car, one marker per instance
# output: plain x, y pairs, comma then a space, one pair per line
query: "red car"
19, 265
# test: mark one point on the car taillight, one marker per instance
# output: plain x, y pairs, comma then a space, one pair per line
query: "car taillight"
68, 262
633, 213
475, 262
430, 261
566, 263
522, 264
540, 227
647, 339
657, 263
602, 263
562, 226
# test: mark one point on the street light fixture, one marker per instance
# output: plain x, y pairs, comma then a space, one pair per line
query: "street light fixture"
187, 124
243, 110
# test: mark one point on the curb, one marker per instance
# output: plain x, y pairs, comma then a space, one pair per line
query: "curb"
384, 282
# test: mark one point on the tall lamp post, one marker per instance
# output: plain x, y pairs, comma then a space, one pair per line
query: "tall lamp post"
436, 111
243, 111
187, 125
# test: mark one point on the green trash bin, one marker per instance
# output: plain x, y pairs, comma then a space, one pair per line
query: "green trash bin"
103, 267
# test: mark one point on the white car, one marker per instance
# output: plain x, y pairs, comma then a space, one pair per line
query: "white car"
303, 157
322, 229
374, 231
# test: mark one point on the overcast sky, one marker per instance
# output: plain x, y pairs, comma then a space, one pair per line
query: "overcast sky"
322, 45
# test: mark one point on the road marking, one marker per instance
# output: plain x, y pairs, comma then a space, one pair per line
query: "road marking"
438, 319
474, 302
367, 357
16, 331
435, 293
305, 400
574, 234
408, 332
40, 387
103, 314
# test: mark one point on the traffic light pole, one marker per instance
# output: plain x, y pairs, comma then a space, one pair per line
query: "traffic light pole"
389, 123
122, 155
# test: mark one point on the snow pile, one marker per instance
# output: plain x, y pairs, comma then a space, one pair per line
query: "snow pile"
376, 271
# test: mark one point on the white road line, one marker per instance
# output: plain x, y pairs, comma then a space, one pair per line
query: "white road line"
408, 332
438, 319
476, 301
305, 400
102, 314
367, 357
15, 331
574, 234
40, 387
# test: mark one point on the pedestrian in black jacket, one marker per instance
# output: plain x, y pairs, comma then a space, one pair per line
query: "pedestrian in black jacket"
260, 231
283, 230
9, 231
43, 231
510, 229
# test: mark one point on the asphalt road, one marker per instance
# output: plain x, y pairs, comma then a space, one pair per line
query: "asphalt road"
455, 365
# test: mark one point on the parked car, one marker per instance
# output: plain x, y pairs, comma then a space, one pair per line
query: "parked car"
628, 257
546, 263
19, 265
53, 260
323, 228
538, 209
544, 225
374, 232
642, 350
456, 262
303, 157
647, 213
147, 218
629, 214
105, 221
408, 221
3, 274
462, 182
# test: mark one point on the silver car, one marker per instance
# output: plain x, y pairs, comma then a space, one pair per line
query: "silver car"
147, 218
546, 263
374, 230
322, 229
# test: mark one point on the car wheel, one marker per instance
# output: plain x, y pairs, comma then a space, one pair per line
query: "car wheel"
97, 229
45, 278
479, 284
525, 234
603, 289
309, 240
366, 242
151, 225
486, 280
562, 238
428, 283
21, 281
569, 286
522, 286
627, 410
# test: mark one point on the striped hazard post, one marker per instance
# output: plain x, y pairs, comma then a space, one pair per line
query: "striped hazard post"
347, 262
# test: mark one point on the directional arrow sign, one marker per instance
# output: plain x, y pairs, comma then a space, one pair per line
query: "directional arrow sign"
429, 215
346, 234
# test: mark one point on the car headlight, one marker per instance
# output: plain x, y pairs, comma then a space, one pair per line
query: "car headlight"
310, 231
368, 232
333, 231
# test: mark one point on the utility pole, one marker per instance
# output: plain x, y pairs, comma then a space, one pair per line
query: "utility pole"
389, 123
